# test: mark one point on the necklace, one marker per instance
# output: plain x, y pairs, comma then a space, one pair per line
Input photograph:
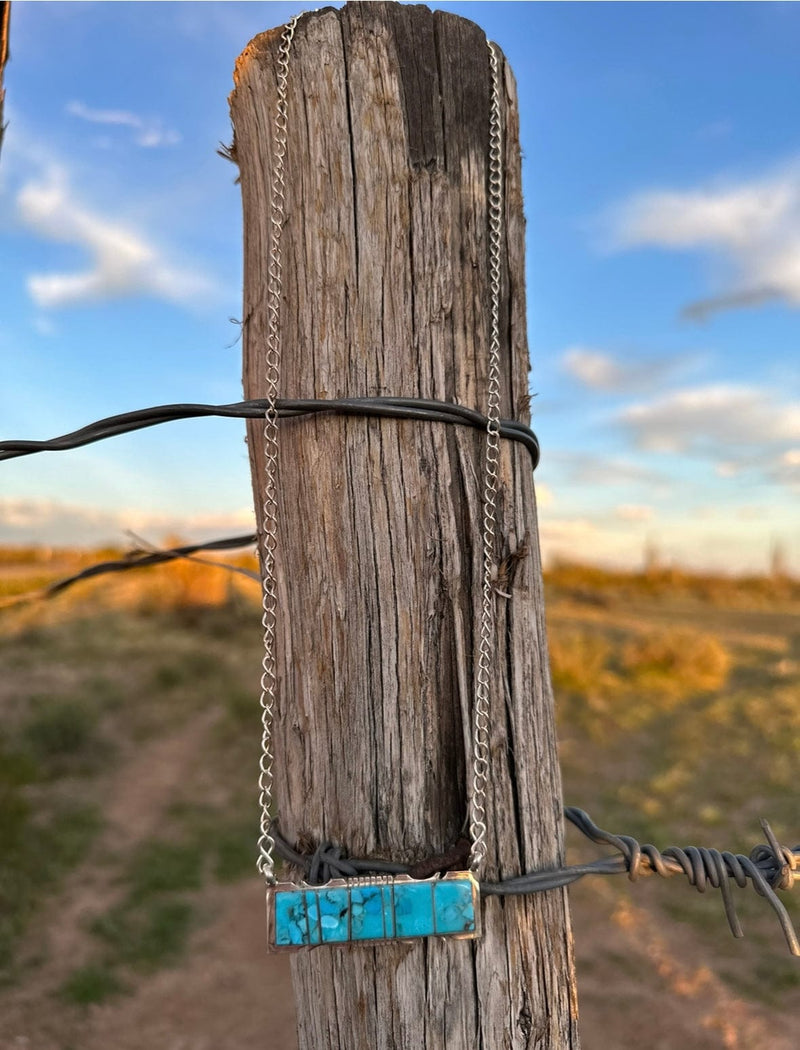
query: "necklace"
375, 908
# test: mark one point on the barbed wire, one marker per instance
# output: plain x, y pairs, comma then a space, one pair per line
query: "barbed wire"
137, 559
768, 867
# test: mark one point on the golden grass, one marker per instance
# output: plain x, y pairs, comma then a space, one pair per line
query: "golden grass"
676, 695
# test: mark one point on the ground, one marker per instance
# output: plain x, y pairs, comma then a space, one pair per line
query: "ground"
131, 916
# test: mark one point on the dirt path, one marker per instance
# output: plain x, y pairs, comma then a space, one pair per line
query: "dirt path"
58, 942
230, 995
640, 982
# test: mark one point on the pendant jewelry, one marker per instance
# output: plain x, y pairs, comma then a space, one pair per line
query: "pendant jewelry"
373, 909
378, 908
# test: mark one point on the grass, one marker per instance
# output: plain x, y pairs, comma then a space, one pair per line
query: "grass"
164, 867
679, 721
90, 985
37, 852
149, 927
62, 736
79, 696
148, 935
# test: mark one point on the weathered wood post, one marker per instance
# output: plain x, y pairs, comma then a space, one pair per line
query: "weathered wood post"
385, 292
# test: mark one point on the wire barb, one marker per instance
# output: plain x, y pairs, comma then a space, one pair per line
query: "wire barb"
768, 867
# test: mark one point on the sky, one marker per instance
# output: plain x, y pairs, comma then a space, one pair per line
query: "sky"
661, 175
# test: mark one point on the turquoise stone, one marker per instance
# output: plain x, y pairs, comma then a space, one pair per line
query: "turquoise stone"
312, 902
291, 923
367, 916
455, 907
414, 909
345, 911
335, 913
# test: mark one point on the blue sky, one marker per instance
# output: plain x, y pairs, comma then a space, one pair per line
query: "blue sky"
662, 193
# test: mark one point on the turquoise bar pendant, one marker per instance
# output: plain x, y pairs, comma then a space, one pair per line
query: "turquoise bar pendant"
347, 911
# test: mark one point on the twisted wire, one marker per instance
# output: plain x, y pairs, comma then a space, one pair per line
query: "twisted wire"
480, 745
768, 867
381, 407
137, 559
269, 602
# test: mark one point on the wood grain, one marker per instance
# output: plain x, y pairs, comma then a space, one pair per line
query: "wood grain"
386, 292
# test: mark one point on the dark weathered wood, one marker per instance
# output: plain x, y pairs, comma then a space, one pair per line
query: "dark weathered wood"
385, 282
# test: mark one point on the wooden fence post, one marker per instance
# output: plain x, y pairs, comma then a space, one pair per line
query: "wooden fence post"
385, 282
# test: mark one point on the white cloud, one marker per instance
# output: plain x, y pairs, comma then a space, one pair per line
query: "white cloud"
544, 495
147, 133
727, 468
754, 227
716, 418
599, 370
587, 468
707, 540
124, 262
634, 512
752, 512
593, 368
786, 468
29, 520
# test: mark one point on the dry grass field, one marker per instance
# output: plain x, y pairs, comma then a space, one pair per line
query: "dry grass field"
129, 912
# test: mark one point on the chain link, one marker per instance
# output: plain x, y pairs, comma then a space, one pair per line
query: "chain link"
480, 766
480, 726
269, 542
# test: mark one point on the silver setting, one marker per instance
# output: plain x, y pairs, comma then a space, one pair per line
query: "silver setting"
372, 881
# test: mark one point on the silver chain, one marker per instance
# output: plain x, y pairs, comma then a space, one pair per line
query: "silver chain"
269, 603
480, 723
269, 542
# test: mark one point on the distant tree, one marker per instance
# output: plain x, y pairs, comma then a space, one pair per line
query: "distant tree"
651, 557
778, 562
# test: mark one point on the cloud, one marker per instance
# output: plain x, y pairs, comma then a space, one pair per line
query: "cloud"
124, 262
785, 468
544, 495
29, 520
715, 418
147, 133
706, 541
634, 512
600, 371
753, 227
587, 468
